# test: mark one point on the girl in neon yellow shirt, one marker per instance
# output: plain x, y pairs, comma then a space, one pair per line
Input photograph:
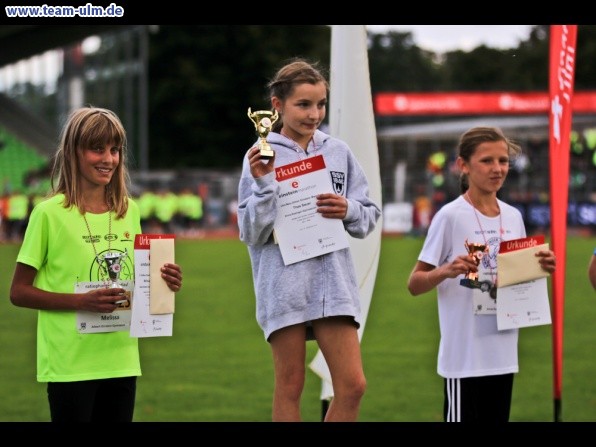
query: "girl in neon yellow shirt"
90, 376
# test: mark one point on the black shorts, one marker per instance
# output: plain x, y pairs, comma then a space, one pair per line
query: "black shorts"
103, 400
478, 399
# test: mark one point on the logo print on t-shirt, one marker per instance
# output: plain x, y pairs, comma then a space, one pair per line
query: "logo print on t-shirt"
98, 270
490, 261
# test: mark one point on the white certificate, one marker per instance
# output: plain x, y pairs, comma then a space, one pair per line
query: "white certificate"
92, 322
523, 305
301, 231
142, 323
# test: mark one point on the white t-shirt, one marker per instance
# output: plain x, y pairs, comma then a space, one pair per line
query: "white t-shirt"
471, 345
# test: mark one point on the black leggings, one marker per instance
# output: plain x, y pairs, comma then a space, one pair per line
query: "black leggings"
102, 400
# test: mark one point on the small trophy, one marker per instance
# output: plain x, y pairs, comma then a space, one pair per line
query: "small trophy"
476, 251
263, 121
112, 267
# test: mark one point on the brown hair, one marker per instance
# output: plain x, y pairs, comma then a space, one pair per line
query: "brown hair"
89, 127
296, 71
474, 137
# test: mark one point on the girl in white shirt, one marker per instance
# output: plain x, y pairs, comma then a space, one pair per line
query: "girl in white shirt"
476, 360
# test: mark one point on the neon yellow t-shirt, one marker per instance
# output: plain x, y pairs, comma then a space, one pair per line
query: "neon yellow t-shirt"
58, 245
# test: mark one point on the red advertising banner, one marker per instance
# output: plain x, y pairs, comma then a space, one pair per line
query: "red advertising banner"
562, 58
466, 103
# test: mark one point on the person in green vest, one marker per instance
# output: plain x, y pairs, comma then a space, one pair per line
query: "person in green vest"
18, 213
4, 216
190, 210
166, 209
147, 202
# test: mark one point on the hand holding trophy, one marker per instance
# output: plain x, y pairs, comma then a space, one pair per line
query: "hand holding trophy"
476, 251
263, 121
112, 267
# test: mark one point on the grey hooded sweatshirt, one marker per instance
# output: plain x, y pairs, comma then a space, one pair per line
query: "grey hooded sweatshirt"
315, 288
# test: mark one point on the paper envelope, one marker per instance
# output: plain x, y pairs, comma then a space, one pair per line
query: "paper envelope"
161, 298
519, 266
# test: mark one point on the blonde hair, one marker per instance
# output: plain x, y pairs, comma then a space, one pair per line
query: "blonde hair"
89, 127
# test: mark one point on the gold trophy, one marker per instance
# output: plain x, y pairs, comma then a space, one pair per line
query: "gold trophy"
476, 252
263, 121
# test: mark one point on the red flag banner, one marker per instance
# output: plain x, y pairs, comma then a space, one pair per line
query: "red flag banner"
561, 80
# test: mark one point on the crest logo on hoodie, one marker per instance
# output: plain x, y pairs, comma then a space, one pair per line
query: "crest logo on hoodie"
338, 181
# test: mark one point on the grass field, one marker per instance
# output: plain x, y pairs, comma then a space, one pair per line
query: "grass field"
217, 367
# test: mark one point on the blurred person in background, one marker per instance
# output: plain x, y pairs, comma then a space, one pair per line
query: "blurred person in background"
592, 270
18, 214
190, 212
147, 202
4, 216
166, 208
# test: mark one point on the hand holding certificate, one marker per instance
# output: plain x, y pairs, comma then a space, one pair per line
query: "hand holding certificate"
162, 298
517, 261
523, 296
301, 231
150, 252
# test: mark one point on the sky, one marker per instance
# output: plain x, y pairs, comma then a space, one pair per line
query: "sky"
442, 38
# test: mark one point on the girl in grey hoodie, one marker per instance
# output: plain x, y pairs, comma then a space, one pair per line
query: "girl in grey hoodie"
317, 298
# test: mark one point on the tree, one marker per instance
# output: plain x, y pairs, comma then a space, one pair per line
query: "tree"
396, 64
585, 68
203, 79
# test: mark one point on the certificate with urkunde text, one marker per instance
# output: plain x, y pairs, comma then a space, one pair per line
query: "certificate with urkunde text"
522, 296
301, 232
143, 323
